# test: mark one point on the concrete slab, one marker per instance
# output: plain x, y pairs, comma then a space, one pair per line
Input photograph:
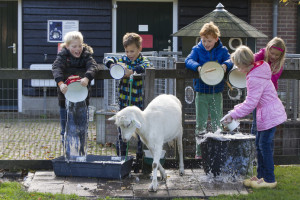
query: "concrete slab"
44, 187
155, 195
194, 184
80, 186
186, 193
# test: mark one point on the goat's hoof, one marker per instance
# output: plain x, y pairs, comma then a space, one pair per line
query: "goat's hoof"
181, 172
164, 177
152, 188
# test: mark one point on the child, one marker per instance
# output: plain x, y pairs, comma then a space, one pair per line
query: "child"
262, 95
135, 62
208, 98
74, 57
273, 54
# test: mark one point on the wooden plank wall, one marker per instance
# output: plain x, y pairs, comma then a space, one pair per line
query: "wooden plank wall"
94, 22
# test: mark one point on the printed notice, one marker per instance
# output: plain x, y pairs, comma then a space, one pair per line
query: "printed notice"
57, 29
143, 28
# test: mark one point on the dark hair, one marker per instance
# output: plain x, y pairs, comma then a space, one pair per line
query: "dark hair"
132, 38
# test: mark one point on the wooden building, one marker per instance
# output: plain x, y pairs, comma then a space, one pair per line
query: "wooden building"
24, 29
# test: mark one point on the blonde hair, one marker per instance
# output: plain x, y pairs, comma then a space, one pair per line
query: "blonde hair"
210, 29
70, 36
243, 56
132, 38
278, 64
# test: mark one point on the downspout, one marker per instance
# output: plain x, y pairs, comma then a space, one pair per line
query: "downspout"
275, 17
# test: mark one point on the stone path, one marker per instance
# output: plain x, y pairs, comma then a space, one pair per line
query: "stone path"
135, 186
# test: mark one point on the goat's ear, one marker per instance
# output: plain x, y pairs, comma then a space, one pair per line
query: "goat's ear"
113, 118
137, 123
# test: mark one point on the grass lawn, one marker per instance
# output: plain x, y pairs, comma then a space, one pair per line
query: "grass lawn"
288, 188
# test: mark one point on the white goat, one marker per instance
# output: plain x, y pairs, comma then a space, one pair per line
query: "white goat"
159, 123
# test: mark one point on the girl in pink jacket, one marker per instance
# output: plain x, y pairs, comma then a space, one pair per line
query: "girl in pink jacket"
273, 54
262, 95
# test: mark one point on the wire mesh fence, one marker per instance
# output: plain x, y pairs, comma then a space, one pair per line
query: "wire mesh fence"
30, 125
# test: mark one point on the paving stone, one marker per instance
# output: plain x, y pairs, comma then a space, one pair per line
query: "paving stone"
186, 193
146, 194
80, 188
44, 187
136, 186
114, 193
213, 189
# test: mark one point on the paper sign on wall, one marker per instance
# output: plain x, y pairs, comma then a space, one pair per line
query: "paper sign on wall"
147, 41
143, 28
58, 28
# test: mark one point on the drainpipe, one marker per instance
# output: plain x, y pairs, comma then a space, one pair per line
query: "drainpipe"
275, 17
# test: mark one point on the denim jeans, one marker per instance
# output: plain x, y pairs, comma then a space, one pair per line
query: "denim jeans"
254, 127
264, 149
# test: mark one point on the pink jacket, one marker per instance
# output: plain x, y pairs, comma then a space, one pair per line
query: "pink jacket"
261, 56
261, 94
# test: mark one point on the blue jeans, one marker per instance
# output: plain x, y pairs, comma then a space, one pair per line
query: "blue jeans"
264, 149
254, 127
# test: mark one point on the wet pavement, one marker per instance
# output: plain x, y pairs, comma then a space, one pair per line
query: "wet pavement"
194, 184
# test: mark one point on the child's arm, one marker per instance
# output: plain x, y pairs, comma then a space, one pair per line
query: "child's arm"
254, 92
259, 55
191, 61
109, 60
227, 64
140, 68
91, 68
58, 67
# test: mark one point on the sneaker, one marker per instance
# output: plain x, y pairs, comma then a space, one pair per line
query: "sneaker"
198, 157
262, 184
247, 182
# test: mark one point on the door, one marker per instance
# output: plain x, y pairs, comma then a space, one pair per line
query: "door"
8, 55
152, 20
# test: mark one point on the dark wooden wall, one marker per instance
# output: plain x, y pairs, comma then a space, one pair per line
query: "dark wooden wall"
94, 22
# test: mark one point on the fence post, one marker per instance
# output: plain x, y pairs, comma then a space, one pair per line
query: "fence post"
149, 85
180, 93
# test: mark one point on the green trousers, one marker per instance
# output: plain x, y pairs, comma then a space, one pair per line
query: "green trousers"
207, 104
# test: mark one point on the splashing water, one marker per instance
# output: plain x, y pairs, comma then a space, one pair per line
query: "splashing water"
76, 132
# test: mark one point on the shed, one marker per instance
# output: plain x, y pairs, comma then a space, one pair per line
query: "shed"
234, 31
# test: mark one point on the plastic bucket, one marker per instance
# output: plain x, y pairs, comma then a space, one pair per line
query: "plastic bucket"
236, 78
76, 92
231, 155
232, 125
211, 73
117, 71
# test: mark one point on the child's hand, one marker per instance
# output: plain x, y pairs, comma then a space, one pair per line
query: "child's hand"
199, 69
63, 88
84, 81
128, 72
224, 67
226, 119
